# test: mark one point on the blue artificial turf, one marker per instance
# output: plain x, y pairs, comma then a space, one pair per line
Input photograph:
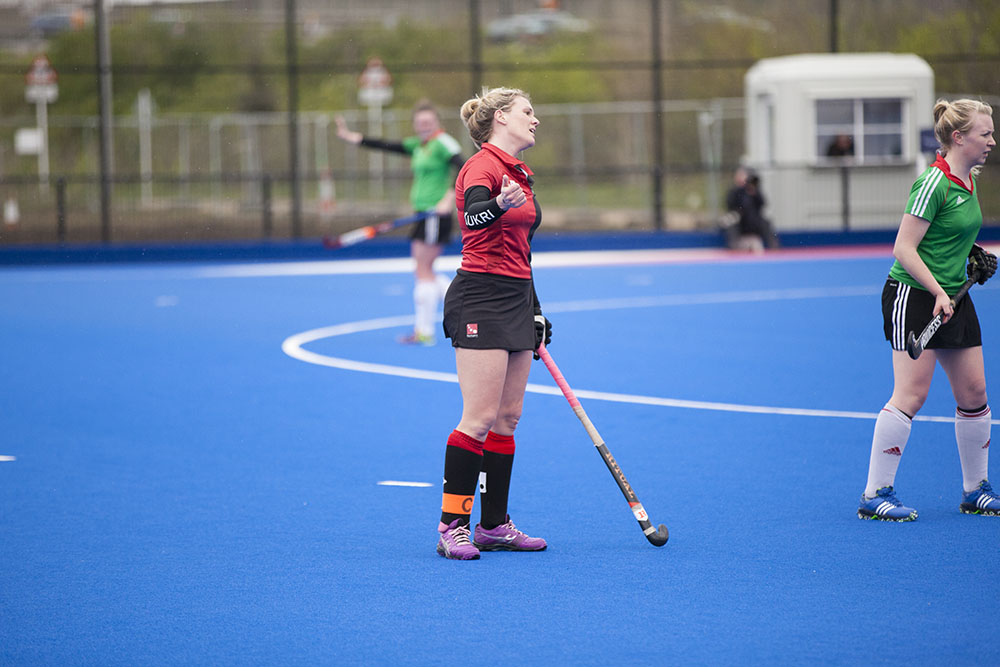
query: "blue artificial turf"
186, 493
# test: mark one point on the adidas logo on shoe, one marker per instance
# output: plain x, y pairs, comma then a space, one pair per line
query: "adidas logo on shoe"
981, 500
885, 507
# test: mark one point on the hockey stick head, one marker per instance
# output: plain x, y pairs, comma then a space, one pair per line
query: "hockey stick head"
912, 348
660, 537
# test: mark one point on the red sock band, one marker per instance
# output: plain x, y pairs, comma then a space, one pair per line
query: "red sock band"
459, 439
967, 414
500, 444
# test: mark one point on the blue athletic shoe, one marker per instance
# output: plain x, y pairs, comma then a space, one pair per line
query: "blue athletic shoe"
885, 507
981, 501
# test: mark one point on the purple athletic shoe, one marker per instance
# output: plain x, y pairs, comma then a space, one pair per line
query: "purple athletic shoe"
454, 542
506, 537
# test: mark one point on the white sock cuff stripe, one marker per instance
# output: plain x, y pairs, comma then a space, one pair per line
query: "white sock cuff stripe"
893, 410
979, 414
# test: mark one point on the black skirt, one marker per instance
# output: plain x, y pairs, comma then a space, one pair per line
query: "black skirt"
485, 311
434, 229
906, 309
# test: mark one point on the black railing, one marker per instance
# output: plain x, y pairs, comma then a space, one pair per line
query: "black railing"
238, 207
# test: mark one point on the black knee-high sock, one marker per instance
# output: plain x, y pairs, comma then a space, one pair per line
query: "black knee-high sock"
463, 458
494, 480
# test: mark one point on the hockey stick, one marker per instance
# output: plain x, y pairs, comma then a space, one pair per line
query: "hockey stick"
915, 345
656, 536
370, 231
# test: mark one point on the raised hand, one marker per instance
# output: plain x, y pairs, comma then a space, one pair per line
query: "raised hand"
511, 195
346, 134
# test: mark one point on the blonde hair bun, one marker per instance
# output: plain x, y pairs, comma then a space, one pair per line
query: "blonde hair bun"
477, 112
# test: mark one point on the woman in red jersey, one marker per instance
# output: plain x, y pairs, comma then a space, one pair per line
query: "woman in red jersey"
494, 320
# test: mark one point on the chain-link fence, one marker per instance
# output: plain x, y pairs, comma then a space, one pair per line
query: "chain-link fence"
217, 118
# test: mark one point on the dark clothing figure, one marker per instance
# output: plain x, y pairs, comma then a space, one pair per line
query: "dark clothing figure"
746, 201
841, 146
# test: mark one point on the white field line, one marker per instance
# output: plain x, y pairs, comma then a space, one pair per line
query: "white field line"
293, 347
392, 482
449, 263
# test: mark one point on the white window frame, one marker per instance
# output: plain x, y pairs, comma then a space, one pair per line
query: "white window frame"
857, 130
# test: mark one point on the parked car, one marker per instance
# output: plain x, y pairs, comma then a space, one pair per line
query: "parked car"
535, 24
52, 23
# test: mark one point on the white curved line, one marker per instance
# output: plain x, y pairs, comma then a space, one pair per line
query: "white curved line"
292, 346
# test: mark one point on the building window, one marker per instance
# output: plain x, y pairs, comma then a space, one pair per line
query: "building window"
863, 130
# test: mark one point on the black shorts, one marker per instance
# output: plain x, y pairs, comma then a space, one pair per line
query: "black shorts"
434, 229
906, 309
484, 311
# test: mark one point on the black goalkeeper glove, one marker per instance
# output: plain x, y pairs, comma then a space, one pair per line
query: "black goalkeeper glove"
983, 261
543, 331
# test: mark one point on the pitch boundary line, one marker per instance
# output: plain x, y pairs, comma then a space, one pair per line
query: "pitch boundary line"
546, 259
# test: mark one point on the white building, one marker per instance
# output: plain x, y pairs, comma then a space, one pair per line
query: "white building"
798, 106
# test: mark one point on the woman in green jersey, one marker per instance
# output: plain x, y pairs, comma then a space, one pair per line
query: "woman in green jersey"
435, 158
936, 235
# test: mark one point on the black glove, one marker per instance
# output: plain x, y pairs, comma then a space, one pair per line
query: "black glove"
543, 330
982, 261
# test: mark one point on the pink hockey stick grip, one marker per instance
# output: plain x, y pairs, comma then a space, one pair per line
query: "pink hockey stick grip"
558, 376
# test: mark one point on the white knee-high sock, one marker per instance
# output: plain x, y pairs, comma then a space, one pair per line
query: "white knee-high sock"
892, 430
972, 433
425, 302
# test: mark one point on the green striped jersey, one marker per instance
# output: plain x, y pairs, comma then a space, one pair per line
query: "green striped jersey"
955, 218
431, 165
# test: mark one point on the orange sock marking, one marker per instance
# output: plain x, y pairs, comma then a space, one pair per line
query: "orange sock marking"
453, 503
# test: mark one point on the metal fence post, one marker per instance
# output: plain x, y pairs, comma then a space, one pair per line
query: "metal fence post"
61, 209
845, 197
292, 65
659, 170
265, 205
104, 104
475, 45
